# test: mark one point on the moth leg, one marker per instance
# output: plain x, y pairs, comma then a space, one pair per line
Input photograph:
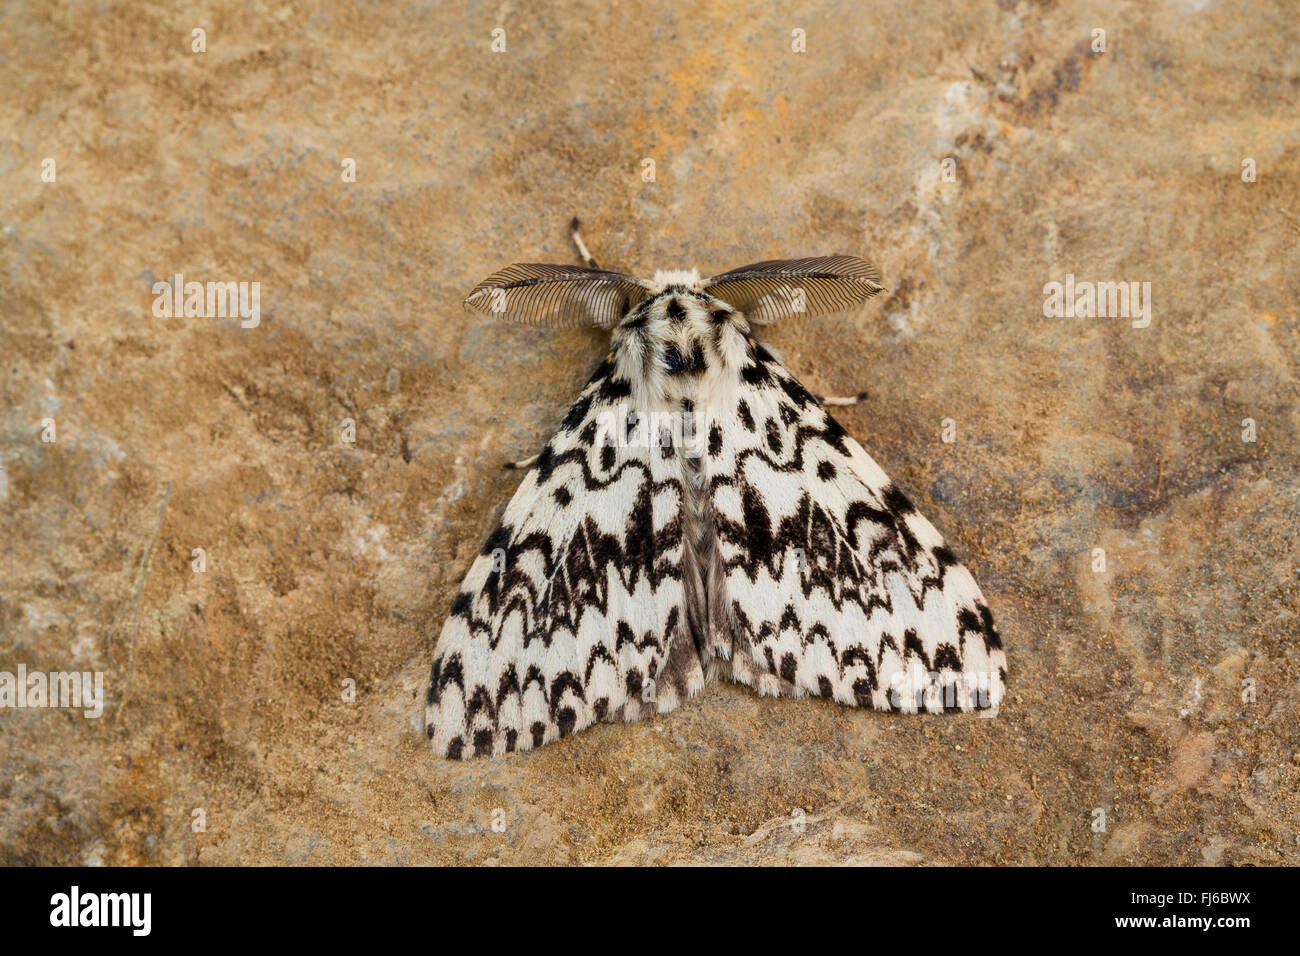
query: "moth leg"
833, 400
523, 463
582, 246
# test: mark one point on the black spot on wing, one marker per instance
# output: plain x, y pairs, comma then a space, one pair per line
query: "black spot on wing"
798, 394
577, 412
895, 501
545, 463
912, 648
758, 525
947, 658
612, 389
715, 440
756, 375
566, 719
789, 667
991, 638
774, 436
833, 434
862, 688
980, 621
500, 538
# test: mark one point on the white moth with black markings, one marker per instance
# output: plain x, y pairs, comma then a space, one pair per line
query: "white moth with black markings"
699, 516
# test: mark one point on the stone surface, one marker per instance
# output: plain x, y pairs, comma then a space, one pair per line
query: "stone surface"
329, 562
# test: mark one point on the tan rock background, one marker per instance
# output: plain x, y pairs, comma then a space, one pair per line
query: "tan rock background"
329, 561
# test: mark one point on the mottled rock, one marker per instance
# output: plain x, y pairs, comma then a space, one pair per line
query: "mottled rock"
276, 690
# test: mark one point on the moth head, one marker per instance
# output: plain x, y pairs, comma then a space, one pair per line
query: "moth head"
665, 279
794, 288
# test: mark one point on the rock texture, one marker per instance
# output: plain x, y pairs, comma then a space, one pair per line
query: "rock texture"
1162, 693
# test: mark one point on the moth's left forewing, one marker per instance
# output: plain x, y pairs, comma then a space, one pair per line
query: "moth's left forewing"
574, 611
832, 582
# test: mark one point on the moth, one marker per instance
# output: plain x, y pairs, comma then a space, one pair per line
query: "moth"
699, 516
